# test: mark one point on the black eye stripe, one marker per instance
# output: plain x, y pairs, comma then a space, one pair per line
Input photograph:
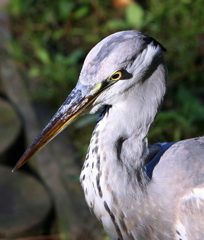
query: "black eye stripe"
126, 74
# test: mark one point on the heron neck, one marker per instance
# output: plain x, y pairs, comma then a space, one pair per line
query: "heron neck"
118, 147
122, 132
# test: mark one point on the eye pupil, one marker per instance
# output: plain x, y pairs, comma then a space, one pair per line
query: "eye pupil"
116, 76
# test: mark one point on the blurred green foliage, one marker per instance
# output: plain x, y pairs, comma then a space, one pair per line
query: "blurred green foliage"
52, 38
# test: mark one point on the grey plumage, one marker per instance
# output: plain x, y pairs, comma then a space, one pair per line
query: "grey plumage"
126, 72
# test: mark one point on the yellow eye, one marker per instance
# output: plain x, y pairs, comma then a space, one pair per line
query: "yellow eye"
116, 76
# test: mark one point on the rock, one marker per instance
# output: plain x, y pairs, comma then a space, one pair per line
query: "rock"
10, 125
20, 210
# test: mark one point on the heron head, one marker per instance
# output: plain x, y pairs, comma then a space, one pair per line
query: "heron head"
112, 67
118, 62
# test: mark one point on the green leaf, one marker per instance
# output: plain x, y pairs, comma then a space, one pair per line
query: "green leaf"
107, 238
34, 72
81, 12
58, 34
65, 8
135, 15
43, 55
16, 7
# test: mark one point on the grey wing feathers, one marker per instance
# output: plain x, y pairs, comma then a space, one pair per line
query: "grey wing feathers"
192, 214
181, 168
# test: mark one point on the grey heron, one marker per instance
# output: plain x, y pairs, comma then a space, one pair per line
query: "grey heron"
134, 193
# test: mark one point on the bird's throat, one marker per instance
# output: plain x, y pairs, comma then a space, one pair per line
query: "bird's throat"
113, 170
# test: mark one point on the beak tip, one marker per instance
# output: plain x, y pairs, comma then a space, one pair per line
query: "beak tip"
20, 163
15, 168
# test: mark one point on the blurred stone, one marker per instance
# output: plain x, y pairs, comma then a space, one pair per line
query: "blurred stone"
4, 3
10, 125
24, 204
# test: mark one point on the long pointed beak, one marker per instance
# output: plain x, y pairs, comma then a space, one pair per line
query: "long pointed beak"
74, 105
